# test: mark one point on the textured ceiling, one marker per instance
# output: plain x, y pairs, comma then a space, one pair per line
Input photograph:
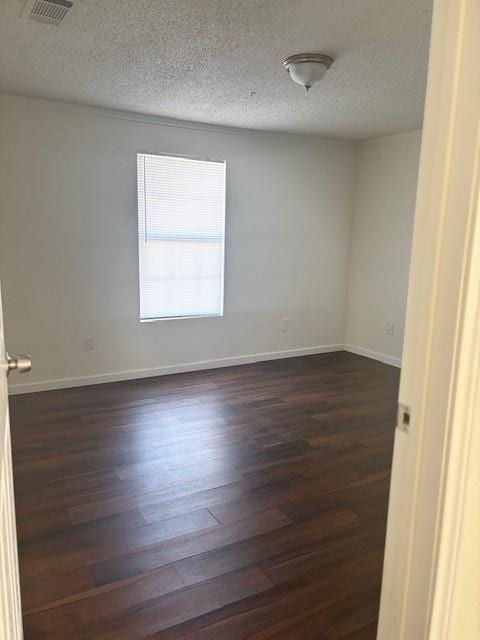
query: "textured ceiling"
220, 61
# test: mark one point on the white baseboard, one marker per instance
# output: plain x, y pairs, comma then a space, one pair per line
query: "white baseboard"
374, 355
135, 374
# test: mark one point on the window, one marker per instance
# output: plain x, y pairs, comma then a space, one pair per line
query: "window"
181, 236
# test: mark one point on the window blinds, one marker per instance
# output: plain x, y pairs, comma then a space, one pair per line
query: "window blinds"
181, 236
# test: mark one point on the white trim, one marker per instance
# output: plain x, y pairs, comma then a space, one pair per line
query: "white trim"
374, 355
440, 375
463, 420
134, 374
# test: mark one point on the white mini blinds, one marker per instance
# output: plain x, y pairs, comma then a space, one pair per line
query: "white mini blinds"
181, 236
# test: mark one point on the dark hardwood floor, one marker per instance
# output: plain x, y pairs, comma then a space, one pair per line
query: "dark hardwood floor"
234, 504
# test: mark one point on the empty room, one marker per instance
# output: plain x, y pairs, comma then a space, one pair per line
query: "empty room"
206, 220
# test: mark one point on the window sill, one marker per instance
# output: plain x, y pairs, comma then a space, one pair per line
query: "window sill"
210, 315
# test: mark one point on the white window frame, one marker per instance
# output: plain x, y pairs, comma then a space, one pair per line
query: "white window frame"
222, 272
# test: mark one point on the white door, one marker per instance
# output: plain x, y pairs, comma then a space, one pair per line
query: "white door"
430, 579
10, 608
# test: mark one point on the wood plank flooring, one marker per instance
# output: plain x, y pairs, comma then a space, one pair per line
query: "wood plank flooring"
234, 504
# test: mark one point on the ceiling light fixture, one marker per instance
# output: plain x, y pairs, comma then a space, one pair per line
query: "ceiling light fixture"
307, 68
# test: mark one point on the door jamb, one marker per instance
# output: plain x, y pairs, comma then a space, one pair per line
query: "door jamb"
440, 380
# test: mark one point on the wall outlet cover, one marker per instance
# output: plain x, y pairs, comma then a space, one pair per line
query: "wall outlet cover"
89, 343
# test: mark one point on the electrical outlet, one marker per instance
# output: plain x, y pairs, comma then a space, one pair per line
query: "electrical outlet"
285, 325
89, 343
390, 328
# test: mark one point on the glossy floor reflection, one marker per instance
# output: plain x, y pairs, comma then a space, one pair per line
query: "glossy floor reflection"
234, 504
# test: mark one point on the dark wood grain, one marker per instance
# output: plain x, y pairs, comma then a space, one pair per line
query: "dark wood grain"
246, 503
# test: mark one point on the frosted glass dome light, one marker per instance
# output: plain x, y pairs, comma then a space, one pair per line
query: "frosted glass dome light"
307, 68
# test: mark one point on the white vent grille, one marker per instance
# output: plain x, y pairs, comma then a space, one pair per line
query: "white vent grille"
50, 11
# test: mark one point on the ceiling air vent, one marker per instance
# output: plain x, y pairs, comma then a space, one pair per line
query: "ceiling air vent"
49, 11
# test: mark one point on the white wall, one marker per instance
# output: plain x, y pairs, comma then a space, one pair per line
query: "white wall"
384, 206
68, 248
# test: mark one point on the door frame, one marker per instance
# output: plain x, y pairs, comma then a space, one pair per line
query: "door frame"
10, 600
440, 380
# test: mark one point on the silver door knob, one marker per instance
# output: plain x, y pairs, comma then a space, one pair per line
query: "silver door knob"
20, 363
